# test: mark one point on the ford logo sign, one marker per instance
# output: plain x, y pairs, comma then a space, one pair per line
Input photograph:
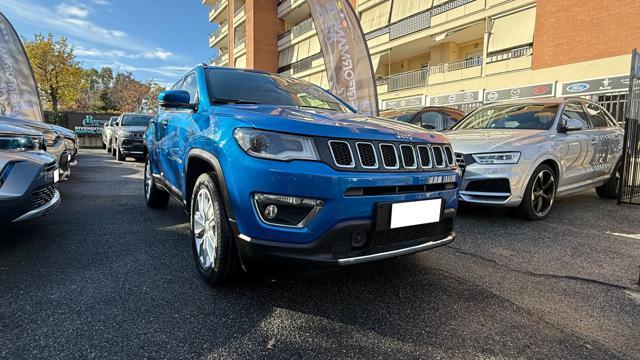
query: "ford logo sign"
577, 87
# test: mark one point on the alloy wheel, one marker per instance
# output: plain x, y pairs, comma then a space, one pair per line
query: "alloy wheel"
148, 181
205, 229
543, 192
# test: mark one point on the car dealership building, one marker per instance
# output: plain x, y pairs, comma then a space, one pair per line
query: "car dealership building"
460, 53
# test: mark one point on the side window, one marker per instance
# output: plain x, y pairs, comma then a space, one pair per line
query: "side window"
432, 120
190, 85
451, 119
576, 111
597, 115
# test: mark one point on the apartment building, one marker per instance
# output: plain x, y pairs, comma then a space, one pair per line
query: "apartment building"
460, 53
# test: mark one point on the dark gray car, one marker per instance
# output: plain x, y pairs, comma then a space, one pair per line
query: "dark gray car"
54, 140
127, 136
28, 175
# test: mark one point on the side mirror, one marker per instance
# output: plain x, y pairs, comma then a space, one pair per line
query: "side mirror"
571, 125
176, 99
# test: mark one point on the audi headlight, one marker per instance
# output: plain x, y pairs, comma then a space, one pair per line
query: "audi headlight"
497, 158
20, 143
276, 146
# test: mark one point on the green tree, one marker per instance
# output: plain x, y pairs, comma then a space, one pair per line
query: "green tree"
57, 72
127, 93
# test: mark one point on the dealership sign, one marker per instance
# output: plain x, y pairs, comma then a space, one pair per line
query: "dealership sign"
595, 86
413, 101
522, 92
456, 98
87, 124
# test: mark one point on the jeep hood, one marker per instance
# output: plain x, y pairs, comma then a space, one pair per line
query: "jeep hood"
474, 141
326, 123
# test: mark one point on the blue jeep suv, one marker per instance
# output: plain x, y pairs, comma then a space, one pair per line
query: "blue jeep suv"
275, 170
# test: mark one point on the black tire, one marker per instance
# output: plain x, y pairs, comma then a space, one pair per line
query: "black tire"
609, 190
530, 208
113, 149
119, 155
108, 147
223, 268
104, 146
154, 197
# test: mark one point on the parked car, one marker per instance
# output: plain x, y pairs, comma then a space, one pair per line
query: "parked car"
273, 170
127, 136
524, 154
107, 130
71, 143
437, 118
28, 175
54, 141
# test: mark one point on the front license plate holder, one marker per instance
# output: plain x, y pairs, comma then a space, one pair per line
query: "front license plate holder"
404, 214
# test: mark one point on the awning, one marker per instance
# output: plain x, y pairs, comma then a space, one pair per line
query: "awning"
512, 30
403, 8
376, 17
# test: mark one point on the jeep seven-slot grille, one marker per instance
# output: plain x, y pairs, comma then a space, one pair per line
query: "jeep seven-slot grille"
425, 156
389, 156
408, 156
367, 155
386, 156
341, 153
438, 156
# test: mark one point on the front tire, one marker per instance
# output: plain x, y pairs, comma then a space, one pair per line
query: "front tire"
214, 248
540, 194
609, 190
154, 197
113, 149
119, 155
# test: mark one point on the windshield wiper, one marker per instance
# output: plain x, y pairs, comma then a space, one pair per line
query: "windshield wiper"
232, 101
316, 107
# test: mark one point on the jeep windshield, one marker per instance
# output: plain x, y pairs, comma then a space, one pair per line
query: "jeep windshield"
135, 120
228, 86
511, 116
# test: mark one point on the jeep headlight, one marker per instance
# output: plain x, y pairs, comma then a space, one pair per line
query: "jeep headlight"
497, 158
276, 146
20, 143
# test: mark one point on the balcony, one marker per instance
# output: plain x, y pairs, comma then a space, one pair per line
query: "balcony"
218, 12
293, 11
458, 70
296, 32
509, 60
240, 47
221, 60
218, 35
239, 16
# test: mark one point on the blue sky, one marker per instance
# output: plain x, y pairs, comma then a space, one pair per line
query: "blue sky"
153, 39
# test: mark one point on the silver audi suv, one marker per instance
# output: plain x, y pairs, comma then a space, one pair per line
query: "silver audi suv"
524, 154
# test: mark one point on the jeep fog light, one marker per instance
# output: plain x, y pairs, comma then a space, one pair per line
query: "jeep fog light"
288, 211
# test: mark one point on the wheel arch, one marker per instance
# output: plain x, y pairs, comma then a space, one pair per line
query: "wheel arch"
198, 163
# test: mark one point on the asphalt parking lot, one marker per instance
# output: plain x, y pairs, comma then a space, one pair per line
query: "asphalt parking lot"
105, 277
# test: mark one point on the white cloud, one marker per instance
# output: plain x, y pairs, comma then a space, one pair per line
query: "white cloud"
158, 53
69, 20
72, 11
169, 72
102, 2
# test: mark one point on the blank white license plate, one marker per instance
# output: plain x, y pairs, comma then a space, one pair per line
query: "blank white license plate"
56, 176
415, 213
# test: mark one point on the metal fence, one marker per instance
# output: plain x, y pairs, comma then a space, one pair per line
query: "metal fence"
629, 186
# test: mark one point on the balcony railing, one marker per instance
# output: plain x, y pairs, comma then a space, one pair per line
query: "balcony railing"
239, 44
239, 12
510, 54
216, 7
408, 80
221, 59
298, 30
458, 65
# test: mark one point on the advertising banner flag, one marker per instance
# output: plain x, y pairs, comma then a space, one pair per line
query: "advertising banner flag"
18, 92
346, 54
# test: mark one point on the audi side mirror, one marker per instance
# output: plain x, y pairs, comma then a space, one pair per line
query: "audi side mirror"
571, 125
